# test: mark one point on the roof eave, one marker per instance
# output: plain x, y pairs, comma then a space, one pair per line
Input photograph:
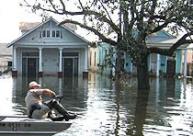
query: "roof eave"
30, 31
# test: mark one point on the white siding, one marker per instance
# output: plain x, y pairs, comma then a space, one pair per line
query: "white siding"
50, 61
68, 41
67, 37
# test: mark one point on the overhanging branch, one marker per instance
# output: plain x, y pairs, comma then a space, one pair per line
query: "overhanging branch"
96, 32
168, 52
84, 12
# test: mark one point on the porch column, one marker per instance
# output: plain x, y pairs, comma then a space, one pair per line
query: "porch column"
149, 63
60, 87
40, 81
85, 72
185, 63
157, 92
14, 61
131, 68
60, 73
40, 73
158, 65
166, 60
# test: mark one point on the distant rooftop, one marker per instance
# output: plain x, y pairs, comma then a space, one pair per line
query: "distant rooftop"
26, 26
4, 51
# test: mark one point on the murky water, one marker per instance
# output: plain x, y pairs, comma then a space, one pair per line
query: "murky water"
105, 109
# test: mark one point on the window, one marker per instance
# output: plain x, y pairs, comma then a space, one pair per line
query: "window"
190, 2
69, 54
57, 33
90, 58
31, 54
44, 34
94, 58
61, 34
48, 33
53, 33
105, 57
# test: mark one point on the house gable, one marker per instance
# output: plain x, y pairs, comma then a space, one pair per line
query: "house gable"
50, 33
159, 37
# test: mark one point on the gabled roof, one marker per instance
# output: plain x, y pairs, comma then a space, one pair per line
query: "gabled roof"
41, 24
167, 43
160, 37
163, 39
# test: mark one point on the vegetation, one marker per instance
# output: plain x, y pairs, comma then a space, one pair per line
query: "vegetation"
125, 24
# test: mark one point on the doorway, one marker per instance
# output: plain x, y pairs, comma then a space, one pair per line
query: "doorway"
30, 67
171, 68
70, 68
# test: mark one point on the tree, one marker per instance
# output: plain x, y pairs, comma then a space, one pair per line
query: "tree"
126, 24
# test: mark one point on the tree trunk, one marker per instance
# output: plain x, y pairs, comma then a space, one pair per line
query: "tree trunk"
119, 65
143, 75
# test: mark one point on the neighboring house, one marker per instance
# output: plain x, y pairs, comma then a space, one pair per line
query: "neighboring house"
93, 59
5, 57
99, 58
190, 60
49, 49
158, 65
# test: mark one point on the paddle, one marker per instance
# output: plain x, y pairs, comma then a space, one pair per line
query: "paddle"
59, 97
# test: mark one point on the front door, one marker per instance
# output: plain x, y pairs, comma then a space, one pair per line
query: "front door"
29, 67
70, 68
171, 68
32, 67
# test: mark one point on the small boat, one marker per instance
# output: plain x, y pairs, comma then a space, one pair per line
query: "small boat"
24, 126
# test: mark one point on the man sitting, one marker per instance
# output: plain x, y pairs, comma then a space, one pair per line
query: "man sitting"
38, 109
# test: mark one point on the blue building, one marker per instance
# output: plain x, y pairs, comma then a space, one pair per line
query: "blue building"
158, 65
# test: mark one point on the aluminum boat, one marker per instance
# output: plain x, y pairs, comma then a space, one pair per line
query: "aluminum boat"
24, 126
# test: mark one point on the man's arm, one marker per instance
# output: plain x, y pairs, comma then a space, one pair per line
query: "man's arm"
48, 92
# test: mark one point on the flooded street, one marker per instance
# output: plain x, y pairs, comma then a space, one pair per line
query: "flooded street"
105, 109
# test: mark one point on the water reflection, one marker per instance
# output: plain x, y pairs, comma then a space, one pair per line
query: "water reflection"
106, 108
140, 114
70, 88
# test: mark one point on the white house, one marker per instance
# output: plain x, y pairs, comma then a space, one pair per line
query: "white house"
5, 57
50, 49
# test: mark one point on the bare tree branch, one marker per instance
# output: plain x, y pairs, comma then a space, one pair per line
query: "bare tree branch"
63, 5
53, 5
168, 52
96, 32
105, 10
98, 15
81, 4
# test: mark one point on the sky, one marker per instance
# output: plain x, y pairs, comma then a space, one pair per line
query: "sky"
11, 14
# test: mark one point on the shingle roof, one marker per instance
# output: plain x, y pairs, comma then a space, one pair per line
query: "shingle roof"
26, 26
70, 28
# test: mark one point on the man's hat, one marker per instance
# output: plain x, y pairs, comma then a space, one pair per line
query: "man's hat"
33, 84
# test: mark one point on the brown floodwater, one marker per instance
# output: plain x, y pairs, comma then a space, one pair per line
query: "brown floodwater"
105, 108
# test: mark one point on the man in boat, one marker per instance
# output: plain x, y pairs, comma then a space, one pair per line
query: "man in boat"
39, 109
